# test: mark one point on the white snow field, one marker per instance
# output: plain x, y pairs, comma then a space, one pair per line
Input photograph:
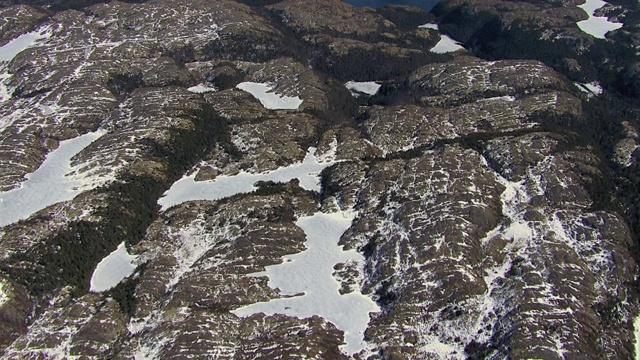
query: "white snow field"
269, 99
310, 272
201, 89
9, 51
596, 26
431, 26
114, 268
592, 89
445, 45
360, 88
49, 184
187, 189
636, 332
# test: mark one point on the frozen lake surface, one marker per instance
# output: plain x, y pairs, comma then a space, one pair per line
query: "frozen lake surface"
9, 51
362, 88
49, 184
112, 269
446, 44
269, 99
310, 272
187, 189
596, 26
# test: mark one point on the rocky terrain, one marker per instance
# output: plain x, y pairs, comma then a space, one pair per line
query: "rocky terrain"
489, 193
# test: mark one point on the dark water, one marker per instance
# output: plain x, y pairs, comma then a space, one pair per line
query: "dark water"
425, 4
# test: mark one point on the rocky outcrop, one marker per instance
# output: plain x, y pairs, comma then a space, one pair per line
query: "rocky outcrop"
66, 85
481, 200
541, 30
17, 20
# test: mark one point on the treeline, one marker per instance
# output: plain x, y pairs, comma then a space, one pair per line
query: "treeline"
613, 63
186, 146
69, 257
372, 65
608, 62
603, 123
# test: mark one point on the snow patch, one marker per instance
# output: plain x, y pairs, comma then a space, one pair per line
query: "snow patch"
592, 88
431, 26
114, 268
193, 243
596, 26
362, 88
201, 89
9, 51
3, 296
310, 272
187, 189
269, 99
49, 184
514, 198
636, 333
440, 349
446, 44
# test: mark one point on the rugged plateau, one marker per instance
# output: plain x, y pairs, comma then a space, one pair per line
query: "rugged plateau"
465, 180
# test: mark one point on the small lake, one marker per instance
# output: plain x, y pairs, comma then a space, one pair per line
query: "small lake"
424, 4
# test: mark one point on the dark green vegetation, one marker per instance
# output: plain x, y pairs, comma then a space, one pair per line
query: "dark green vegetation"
124, 292
69, 257
122, 84
489, 38
185, 147
358, 63
614, 64
369, 65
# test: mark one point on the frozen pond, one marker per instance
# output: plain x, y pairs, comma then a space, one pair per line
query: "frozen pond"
49, 184
201, 89
112, 269
446, 44
592, 88
596, 26
9, 51
310, 272
362, 88
187, 189
269, 99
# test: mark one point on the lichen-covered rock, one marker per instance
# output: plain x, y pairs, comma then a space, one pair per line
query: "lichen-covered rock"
480, 196
89, 326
